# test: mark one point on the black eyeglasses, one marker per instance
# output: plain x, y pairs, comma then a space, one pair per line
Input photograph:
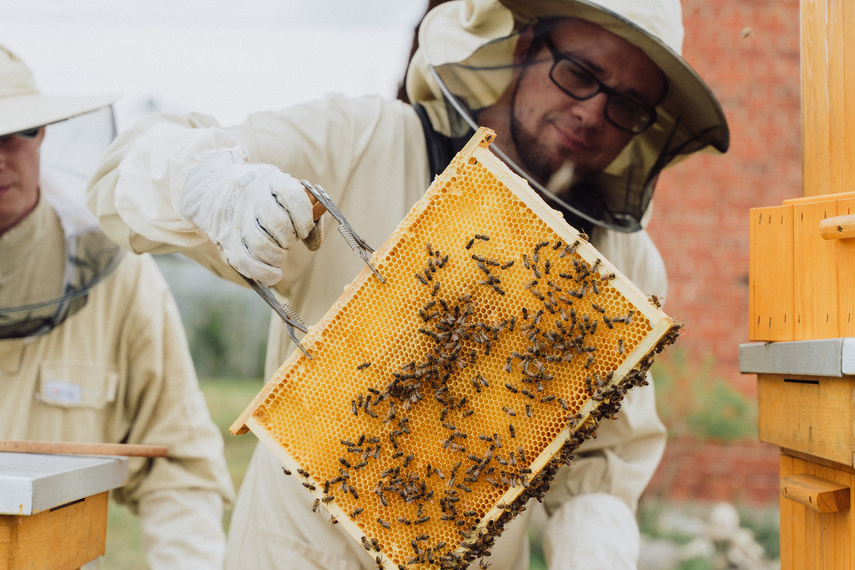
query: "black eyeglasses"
28, 134
571, 77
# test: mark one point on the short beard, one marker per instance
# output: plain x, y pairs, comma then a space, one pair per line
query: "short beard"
530, 151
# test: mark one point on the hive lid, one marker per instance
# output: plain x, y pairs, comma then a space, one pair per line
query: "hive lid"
444, 399
31, 483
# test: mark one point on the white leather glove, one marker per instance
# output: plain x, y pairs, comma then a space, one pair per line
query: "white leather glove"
253, 212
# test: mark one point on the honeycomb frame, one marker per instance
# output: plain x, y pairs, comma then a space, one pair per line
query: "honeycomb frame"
458, 402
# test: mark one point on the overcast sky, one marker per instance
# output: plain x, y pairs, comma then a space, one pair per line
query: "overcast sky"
220, 57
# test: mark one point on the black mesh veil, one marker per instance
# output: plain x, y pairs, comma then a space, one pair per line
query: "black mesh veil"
70, 154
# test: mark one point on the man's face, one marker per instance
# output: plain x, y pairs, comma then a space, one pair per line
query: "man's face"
549, 128
19, 178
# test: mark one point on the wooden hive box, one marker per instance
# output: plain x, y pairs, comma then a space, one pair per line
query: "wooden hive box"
438, 403
802, 270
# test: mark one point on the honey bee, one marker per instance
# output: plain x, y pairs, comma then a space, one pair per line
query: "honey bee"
384, 524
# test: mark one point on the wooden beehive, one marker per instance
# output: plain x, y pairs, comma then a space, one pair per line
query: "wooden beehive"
438, 403
801, 277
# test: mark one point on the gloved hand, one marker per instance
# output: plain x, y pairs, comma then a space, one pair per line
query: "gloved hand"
253, 212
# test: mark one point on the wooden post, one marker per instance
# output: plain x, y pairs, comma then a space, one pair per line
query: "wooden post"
828, 116
817, 438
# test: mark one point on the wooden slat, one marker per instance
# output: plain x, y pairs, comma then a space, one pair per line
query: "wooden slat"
815, 99
837, 526
834, 58
816, 493
771, 274
841, 226
810, 539
800, 533
75, 448
846, 274
815, 267
812, 199
848, 73
787, 514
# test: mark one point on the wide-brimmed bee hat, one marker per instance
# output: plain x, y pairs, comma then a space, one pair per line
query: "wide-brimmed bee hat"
466, 58
23, 107
79, 129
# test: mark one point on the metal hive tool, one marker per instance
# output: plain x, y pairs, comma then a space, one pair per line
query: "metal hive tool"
437, 404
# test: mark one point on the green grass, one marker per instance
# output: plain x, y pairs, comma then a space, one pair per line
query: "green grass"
226, 400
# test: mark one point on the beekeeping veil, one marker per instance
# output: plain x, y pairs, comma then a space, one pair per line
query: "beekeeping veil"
465, 58
79, 130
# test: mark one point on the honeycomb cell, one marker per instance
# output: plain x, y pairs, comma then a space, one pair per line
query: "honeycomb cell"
441, 401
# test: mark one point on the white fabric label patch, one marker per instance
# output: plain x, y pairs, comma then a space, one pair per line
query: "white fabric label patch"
62, 392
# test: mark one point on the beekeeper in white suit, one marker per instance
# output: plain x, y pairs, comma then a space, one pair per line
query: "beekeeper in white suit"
91, 343
589, 101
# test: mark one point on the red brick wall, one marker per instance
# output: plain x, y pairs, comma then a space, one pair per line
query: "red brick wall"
744, 473
748, 52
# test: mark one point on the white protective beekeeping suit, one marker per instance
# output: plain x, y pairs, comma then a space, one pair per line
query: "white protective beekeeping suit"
370, 155
92, 348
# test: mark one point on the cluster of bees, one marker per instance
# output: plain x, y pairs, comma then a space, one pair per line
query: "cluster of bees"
453, 509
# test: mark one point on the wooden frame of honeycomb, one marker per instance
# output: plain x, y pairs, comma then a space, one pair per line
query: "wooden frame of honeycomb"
437, 404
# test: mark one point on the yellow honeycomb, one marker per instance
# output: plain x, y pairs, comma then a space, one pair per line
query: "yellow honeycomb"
438, 403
